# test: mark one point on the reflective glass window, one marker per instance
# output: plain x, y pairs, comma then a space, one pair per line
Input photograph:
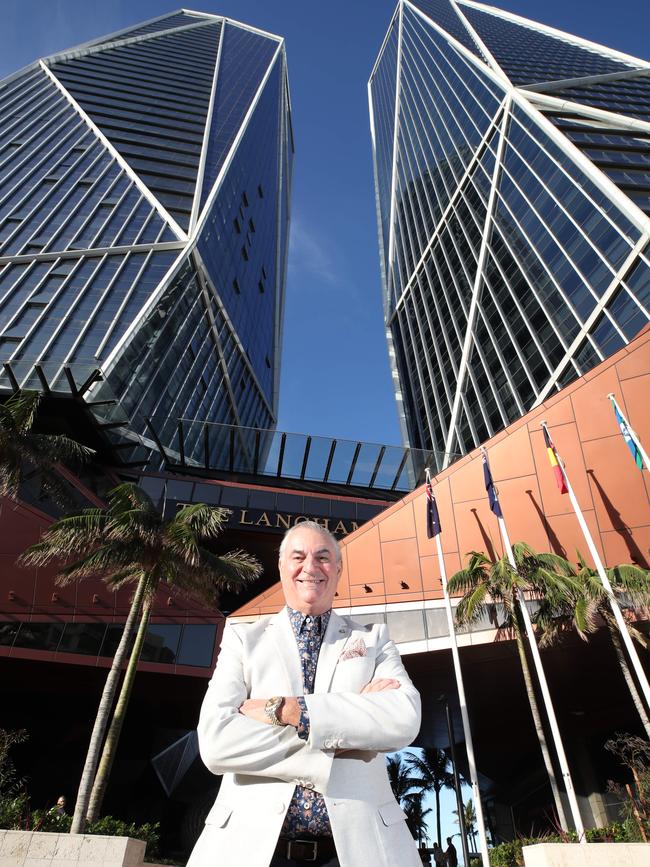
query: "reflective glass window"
406, 625
82, 638
197, 644
161, 643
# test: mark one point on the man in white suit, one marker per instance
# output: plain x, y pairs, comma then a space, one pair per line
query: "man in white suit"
301, 708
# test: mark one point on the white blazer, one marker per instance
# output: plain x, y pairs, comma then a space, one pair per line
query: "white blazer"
262, 764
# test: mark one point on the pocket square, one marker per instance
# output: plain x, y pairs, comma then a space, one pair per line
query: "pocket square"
357, 648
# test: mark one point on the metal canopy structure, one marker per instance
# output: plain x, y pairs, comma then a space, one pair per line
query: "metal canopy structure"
301, 461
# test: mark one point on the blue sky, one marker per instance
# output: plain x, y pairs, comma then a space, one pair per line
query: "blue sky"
336, 379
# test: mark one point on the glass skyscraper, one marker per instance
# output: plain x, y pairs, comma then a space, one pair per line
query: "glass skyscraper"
144, 210
512, 171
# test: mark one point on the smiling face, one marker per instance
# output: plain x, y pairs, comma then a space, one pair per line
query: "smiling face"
309, 571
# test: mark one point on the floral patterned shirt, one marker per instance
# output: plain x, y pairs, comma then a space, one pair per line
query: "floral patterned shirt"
307, 813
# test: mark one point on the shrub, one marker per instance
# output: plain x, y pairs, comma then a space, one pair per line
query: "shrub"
12, 810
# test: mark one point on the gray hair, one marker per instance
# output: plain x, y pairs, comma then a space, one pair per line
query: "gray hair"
318, 528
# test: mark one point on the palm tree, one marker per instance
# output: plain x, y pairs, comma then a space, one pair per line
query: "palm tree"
21, 447
469, 815
416, 816
483, 581
401, 781
578, 610
432, 768
129, 542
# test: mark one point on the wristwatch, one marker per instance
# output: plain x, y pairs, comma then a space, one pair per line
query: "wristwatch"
271, 709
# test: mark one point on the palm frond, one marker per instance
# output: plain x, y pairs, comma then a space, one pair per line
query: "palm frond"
207, 522
632, 580
9, 478
130, 575
56, 448
181, 539
66, 538
18, 412
128, 497
100, 563
472, 606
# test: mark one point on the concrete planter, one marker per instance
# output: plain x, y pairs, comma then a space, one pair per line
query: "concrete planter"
37, 849
585, 855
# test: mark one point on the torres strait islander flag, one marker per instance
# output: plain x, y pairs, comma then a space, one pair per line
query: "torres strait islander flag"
433, 519
552, 459
629, 438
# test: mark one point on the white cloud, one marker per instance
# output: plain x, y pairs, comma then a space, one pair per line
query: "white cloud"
311, 255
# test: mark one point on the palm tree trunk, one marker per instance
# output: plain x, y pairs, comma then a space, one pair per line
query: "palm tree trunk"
438, 829
103, 712
113, 736
537, 720
625, 668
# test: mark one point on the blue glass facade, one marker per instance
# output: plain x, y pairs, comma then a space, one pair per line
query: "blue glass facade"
143, 228
512, 167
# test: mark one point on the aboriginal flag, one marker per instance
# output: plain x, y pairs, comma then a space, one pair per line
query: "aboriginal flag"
433, 519
552, 459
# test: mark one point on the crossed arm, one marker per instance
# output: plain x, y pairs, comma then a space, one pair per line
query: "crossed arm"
234, 735
289, 713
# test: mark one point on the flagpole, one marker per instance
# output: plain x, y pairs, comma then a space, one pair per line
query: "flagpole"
469, 743
602, 574
634, 436
541, 676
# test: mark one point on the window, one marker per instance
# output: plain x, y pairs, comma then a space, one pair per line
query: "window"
436, 620
8, 633
197, 644
82, 638
236, 287
161, 643
251, 225
237, 226
44, 636
244, 254
260, 191
260, 286
244, 199
406, 625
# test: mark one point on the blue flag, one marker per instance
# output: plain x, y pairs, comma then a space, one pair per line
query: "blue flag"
433, 519
491, 490
629, 439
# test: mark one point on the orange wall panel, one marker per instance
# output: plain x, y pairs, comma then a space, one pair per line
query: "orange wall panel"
401, 561
593, 409
398, 524
618, 491
364, 556
513, 456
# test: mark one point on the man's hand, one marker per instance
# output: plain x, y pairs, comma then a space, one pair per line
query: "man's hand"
380, 685
253, 708
289, 713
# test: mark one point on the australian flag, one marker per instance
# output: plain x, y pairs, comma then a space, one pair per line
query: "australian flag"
433, 519
491, 490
